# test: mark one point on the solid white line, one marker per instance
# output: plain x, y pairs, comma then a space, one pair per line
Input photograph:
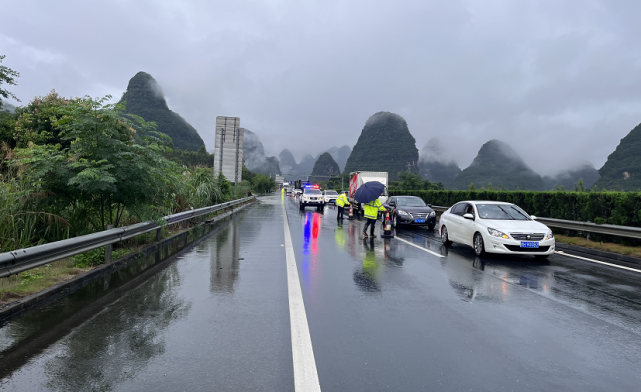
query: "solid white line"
305, 374
597, 261
420, 247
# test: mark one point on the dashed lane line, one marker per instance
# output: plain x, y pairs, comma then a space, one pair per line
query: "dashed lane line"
596, 261
305, 373
420, 247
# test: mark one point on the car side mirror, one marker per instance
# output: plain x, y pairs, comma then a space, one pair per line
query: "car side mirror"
392, 204
533, 217
468, 216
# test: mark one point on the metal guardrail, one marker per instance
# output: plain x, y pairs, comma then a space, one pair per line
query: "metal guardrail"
588, 227
24, 259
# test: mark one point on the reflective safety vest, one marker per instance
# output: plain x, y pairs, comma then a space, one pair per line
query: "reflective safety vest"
283, 192
372, 208
341, 200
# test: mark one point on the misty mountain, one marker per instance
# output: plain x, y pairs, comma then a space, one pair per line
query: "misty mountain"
622, 170
567, 178
306, 165
254, 155
340, 155
385, 144
7, 107
436, 164
324, 167
145, 98
497, 163
288, 165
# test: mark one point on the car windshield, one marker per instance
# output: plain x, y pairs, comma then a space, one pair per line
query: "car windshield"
312, 191
410, 202
501, 212
331, 193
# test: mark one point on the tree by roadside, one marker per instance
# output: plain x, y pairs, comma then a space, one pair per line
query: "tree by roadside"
7, 76
112, 163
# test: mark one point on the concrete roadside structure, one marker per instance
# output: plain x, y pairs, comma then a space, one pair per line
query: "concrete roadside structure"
228, 152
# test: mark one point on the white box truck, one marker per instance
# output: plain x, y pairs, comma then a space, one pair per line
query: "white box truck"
359, 178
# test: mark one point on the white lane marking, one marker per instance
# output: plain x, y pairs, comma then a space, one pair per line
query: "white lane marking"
420, 247
305, 374
596, 261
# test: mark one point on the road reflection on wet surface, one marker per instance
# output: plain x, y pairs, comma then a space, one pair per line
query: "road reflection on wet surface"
383, 315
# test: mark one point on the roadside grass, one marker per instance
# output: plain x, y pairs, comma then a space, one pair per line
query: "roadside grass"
627, 250
31, 281
37, 279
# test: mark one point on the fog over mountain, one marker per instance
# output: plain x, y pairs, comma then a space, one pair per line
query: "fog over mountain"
254, 155
436, 163
560, 81
569, 177
306, 164
7, 107
288, 165
499, 164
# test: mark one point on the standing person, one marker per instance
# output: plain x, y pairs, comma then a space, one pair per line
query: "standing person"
341, 201
371, 210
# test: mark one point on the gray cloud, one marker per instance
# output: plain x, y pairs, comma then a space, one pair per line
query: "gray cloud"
558, 81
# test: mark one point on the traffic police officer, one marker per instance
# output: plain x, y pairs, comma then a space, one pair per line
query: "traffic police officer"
341, 201
371, 210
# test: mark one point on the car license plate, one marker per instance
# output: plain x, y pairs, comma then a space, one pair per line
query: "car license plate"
419, 220
529, 244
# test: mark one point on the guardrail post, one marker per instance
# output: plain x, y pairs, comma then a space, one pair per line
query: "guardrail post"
158, 235
108, 248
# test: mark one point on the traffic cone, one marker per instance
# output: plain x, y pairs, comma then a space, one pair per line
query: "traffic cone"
351, 212
387, 227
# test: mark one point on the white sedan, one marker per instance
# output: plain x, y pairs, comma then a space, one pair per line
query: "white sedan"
330, 196
496, 227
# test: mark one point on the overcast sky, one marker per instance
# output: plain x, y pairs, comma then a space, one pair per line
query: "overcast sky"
558, 80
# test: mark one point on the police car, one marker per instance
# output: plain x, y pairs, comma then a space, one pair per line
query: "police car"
312, 197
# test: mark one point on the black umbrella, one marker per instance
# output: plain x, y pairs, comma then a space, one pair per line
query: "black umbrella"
369, 191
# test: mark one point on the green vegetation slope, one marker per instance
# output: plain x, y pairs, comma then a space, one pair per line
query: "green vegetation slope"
622, 170
385, 144
144, 97
325, 166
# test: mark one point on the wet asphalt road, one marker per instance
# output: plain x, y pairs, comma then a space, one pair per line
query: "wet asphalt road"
382, 314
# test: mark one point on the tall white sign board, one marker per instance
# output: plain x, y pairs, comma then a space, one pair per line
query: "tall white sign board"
228, 153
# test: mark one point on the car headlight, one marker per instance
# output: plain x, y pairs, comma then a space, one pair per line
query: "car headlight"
549, 236
401, 212
433, 213
496, 233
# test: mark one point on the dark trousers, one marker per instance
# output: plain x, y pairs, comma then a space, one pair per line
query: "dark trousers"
369, 222
341, 210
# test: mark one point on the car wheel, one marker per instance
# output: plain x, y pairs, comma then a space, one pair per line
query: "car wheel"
479, 246
541, 257
394, 221
302, 207
431, 227
445, 236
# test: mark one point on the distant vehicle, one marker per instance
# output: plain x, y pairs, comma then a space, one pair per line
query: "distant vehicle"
359, 178
311, 196
496, 227
411, 210
330, 196
297, 192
